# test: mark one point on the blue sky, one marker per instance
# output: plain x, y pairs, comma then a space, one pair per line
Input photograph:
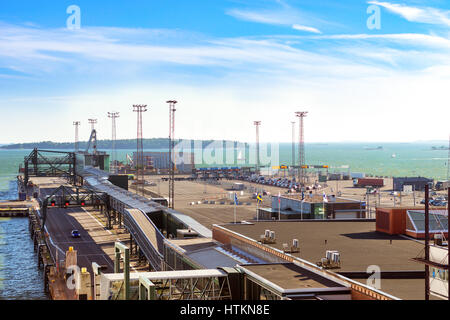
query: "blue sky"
228, 63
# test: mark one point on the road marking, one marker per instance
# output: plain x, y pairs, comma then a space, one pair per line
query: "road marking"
98, 222
107, 231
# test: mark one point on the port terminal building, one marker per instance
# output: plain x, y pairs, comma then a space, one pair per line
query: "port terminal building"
312, 206
184, 161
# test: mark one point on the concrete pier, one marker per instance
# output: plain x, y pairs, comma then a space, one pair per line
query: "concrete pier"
11, 209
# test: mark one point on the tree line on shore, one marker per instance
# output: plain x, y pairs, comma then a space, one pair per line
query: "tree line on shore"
154, 143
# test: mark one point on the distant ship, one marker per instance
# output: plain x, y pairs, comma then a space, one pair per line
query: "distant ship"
393, 155
374, 148
439, 148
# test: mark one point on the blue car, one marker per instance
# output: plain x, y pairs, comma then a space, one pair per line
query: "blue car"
75, 234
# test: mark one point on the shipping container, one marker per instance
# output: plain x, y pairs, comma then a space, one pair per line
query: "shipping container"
368, 182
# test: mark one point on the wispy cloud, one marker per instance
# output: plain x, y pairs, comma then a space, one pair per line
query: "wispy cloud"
418, 14
284, 16
262, 16
34, 50
416, 39
43, 50
305, 28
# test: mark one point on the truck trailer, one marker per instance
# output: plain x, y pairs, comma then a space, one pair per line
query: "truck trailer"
368, 182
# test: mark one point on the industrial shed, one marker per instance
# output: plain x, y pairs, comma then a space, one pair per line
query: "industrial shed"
417, 183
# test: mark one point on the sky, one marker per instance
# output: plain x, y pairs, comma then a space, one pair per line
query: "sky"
364, 70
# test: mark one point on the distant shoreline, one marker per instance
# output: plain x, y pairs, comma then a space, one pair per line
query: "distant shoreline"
121, 144
162, 143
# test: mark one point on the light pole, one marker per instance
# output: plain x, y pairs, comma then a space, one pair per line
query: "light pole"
257, 124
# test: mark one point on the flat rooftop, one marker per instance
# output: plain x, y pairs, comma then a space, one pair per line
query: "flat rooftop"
407, 289
359, 244
193, 244
289, 276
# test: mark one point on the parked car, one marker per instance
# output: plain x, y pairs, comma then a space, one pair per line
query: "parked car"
75, 234
438, 203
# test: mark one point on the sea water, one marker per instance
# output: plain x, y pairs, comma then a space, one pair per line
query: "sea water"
20, 277
394, 159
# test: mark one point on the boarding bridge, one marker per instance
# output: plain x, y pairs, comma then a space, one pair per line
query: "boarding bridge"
205, 284
136, 211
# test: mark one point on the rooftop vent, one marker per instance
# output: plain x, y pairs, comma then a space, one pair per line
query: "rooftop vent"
268, 237
438, 239
332, 260
294, 247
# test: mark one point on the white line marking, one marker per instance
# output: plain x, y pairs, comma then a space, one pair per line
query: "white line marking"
105, 230
97, 221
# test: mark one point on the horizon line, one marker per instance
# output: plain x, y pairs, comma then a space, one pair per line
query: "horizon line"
261, 142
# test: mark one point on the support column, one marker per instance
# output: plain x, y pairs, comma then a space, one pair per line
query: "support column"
120, 248
117, 261
131, 244
146, 289
108, 216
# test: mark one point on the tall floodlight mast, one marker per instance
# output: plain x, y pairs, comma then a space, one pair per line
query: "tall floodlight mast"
139, 109
172, 159
293, 143
301, 148
113, 116
76, 124
258, 164
92, 122
448, 162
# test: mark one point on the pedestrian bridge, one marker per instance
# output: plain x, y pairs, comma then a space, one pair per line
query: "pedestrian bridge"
137, 212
